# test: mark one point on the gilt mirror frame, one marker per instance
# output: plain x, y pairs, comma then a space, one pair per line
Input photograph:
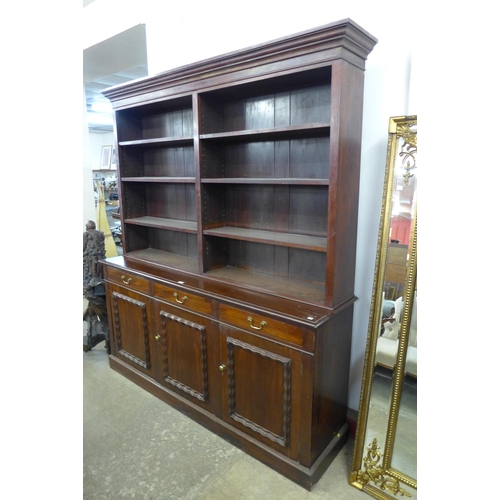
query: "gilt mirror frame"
372, 470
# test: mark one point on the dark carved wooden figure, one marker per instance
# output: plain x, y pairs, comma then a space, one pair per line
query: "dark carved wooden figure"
96, 314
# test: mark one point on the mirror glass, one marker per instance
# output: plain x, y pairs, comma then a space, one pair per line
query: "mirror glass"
385, 459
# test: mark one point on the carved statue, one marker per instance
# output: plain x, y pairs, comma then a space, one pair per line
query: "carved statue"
93, 288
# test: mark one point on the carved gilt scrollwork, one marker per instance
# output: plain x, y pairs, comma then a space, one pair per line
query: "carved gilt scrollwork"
408, 151
374, 473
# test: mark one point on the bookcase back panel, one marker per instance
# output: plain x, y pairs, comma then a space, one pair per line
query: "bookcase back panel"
213, 205
158, 162
133, 200
215, 253
251, 256
310, 158
172, 201
306, 265
280, 208
296, 99
212, 160
166, 119
308, 209
292, 158
177, 123
173, 161
310, 105
297, 107
175, 242
254, 159
276, 261
251, 206
136, 237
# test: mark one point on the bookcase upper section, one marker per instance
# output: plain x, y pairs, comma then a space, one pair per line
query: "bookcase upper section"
244, 168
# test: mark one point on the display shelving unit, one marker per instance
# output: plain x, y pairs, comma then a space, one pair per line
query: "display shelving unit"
239, 180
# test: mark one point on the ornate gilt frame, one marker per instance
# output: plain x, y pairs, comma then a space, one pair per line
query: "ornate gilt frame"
374, 473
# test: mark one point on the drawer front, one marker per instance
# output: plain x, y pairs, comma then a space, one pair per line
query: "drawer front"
263, 325
182, 298
128, 279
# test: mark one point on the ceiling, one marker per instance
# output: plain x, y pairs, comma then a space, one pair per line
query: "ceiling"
116, 60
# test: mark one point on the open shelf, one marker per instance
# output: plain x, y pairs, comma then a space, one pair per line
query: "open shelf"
265, 258
173, 224
167, 259
165, 161
269, 237
169, 243
181, 180
286, 105
286, 214
169, 121
275, 133
287, 287
163, 200
267, 180
304, 158
157, 142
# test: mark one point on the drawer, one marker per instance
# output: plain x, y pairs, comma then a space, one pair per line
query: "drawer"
261, 324
128, 279
185, 299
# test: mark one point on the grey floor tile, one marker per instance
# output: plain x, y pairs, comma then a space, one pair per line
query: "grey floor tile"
137, 447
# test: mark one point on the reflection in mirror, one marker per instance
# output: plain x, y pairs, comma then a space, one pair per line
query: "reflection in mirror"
404, 456
384, 462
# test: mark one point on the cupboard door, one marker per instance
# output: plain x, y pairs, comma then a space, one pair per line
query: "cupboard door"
184, 354
131, 313
261, 390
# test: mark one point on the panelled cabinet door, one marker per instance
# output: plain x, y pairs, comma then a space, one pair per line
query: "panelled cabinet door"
261, 389
131, 316
184, 346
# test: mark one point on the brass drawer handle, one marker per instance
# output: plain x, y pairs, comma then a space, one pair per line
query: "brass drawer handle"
222, 367
126, 281
183, 299
157, 337
262, 324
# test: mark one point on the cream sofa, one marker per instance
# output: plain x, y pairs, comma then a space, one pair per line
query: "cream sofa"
387, 344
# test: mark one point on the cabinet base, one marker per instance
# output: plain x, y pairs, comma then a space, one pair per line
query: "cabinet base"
303, 476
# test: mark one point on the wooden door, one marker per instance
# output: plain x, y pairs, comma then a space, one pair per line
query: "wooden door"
185, 350
132, 327
261, 389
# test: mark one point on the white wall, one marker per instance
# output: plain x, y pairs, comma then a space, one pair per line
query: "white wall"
89, 212
180, 32
96, 142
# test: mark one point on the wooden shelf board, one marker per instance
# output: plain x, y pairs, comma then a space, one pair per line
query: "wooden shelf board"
308, 130
267, 180
160, 141
269, 237
159, 222
286, 287
167, 259
166, 179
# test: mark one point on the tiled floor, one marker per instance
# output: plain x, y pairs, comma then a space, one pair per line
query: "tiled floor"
137, 447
